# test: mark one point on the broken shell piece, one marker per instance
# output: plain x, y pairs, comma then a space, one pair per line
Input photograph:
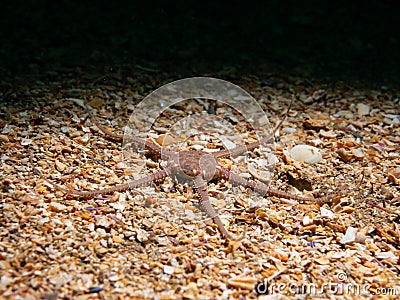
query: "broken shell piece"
387, 255
328, 134
263, 176
227, 143
165, 140
314, 124
243, 282
26, 142
85, 138
57, 207
350, 235
394, 178
4, 138
169, 270
360, 237
347, 209
305, 153
142, 236
391, 119
344, 155
344, 113
363, 109
64, 129
198, 147
322, 261
60, 166
326, 213
316, 142
307, 221
358, 153
289, 130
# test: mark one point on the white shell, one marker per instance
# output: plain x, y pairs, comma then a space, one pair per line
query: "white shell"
305, 153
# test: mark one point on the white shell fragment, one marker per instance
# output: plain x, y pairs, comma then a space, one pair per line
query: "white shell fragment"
58, 207
169, 270
307, 221
363, 109
26, 142
326, 213
227, 143
289, 129
60, 166
85, 138
350, 235
305, 153
64, 129
358, 153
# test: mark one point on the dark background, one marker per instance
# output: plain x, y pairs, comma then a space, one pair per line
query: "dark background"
330, 40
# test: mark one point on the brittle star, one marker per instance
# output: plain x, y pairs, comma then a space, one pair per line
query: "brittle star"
197, 168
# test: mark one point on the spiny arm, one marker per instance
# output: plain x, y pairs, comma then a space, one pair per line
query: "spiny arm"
264, 189
118, 188
200, 185
135, 140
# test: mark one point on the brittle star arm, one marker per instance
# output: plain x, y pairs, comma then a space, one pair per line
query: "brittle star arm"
118, 188
200, 185
165, 154
239, 150
264, 189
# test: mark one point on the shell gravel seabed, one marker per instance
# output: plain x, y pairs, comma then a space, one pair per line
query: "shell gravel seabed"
152, 242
